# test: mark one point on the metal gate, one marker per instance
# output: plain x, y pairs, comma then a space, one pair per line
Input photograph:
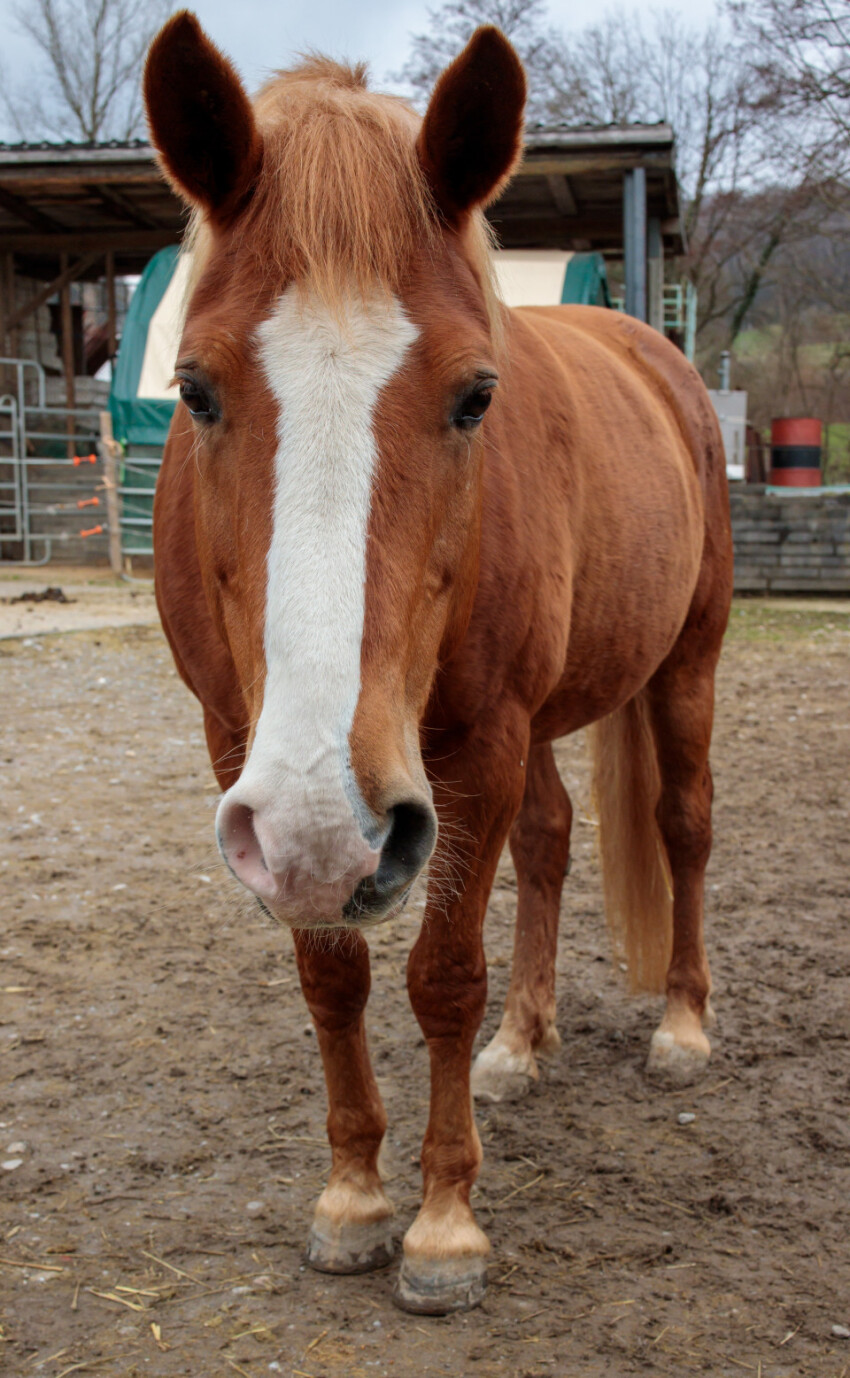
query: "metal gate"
50, 468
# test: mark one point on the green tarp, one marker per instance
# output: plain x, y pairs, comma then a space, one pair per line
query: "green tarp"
145, 420
141, 420
586, 282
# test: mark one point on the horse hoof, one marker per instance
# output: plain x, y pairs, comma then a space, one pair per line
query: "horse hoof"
677, 1064
347, 1248
500, 1075
437, 1287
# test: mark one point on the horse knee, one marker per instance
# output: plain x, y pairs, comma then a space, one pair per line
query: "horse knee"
684, 819
448, 999
336, 981
540, 842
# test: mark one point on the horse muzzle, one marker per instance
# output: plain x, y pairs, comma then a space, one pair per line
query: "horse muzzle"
408, 846
328, 874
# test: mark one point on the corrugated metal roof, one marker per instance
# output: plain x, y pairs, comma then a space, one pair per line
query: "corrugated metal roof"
634, 133
41, 145
600, 134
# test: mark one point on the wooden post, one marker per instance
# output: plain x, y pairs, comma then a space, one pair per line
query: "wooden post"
9, 293
49, 289
110, 306
6, 308
68, 353
110, 452
9, 338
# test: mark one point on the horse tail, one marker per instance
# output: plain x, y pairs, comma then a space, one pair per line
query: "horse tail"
635, 872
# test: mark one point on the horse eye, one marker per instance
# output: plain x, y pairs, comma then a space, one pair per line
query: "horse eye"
197, 401
472, 408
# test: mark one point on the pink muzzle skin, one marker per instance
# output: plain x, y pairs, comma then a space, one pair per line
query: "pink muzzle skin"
303, 879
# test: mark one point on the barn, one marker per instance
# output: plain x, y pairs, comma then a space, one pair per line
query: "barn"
592, 216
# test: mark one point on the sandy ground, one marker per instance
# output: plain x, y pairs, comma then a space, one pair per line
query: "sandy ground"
162, 1105
96, 600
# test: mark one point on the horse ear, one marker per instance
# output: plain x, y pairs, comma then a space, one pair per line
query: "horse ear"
200, 118
471, 138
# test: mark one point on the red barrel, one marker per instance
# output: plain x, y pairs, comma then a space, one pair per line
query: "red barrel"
795, 452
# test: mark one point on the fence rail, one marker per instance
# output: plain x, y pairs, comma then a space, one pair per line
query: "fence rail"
52, 488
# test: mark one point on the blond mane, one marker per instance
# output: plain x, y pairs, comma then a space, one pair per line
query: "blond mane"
342, 201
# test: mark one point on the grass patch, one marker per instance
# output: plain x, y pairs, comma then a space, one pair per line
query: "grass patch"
755, 343
779, 620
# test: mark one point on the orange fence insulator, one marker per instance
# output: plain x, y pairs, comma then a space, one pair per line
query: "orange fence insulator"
89, 502
84, 459
94, 531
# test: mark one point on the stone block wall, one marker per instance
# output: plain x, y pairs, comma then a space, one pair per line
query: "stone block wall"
793, 544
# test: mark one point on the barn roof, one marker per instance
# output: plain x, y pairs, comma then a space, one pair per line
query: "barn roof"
84, 199
568, 192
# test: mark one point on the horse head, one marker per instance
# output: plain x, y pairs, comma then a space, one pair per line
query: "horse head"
340, 352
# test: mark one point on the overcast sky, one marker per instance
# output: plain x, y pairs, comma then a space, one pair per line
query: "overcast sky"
261, 35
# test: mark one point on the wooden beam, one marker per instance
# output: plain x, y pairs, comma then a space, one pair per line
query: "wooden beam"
5, 311
75, 270
573, 164
590, 224
122, 207
90, 241
11, 343
562, 194
50, 175
558, 234
21, 208
68, 350
111, 345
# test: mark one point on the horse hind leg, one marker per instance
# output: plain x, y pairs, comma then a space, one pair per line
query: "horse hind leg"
680, 701
540, 846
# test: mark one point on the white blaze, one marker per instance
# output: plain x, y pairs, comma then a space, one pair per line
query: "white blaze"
326, 373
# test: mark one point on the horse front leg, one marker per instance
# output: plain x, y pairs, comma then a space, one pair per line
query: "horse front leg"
351, 1231
445, 1251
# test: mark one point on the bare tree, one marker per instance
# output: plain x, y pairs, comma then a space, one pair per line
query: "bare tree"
750, 173
799, 59
793, 107
453, 23
88, 84
793, 357
745, 237
624, 69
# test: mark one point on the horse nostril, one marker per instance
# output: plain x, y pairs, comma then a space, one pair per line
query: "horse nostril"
237, 837
240, 847
413, 832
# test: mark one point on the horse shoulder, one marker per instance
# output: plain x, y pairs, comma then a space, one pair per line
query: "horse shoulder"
624, 496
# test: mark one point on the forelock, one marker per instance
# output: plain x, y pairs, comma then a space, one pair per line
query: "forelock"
342, 203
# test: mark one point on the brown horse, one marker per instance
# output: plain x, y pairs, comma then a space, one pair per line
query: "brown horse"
405, 538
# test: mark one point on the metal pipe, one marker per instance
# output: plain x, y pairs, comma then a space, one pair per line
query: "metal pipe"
634, 241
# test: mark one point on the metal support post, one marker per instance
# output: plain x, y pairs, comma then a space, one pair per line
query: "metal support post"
634, 241
655, 275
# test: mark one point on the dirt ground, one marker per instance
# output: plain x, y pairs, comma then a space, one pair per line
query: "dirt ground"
95, 600
162, 1105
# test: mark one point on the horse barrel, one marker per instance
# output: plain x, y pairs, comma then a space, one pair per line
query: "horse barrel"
795, 452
